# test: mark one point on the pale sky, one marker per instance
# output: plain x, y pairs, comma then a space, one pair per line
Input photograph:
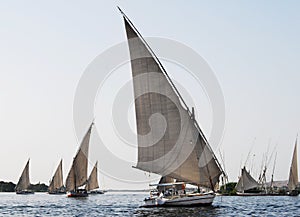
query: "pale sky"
252, 46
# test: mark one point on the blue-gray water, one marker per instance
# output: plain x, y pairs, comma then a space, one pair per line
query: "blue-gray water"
127, 204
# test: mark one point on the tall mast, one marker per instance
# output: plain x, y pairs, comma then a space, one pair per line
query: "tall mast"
272, 178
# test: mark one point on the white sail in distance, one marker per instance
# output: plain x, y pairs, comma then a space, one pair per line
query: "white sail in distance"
293, 177
77, 176
24, 182
57, 179
246, 182
170, 142
92, 182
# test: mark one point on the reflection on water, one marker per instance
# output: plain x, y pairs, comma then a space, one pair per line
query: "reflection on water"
177, 211
128, 204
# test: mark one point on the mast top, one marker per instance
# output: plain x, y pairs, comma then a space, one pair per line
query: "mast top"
120, 10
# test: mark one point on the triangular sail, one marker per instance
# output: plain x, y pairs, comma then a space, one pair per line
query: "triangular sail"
24, 182
70, 181
92, 182
246, 182
57, 180
293, 178
169, 140
78, 173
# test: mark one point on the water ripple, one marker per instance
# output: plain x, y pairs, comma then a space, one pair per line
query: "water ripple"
127, 204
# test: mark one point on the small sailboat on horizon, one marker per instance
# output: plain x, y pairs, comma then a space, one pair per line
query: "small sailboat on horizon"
247, 185
23, 184
293, 176
183, 140
56, 185
77, 176
92, 184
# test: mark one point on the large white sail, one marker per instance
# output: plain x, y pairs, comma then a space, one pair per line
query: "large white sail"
57, 180
92, 182
78, 173
293, 178
246, 182
24, 182
170, 142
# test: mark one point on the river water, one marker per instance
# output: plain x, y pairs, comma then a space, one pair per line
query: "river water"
128, 204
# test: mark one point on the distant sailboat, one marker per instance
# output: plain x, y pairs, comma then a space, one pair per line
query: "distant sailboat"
77, 176
57, 186
198, 166
293, 177
24, 183
246, 183
92, 182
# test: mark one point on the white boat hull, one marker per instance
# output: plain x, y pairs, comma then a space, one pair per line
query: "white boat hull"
183, 200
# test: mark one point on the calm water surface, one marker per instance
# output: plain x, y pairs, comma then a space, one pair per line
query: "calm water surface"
127, 204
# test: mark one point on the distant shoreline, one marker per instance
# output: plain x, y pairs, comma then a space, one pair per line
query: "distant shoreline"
41, 187
126, 190
10, 187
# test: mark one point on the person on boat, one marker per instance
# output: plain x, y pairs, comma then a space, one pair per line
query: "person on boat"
183, 188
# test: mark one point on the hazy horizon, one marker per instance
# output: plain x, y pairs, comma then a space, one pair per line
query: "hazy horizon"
252, 46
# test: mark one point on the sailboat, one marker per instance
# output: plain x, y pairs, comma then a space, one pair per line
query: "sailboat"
92, 182
24, 183
77, 176
293, 177
56, 185
247, 185
183, 152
